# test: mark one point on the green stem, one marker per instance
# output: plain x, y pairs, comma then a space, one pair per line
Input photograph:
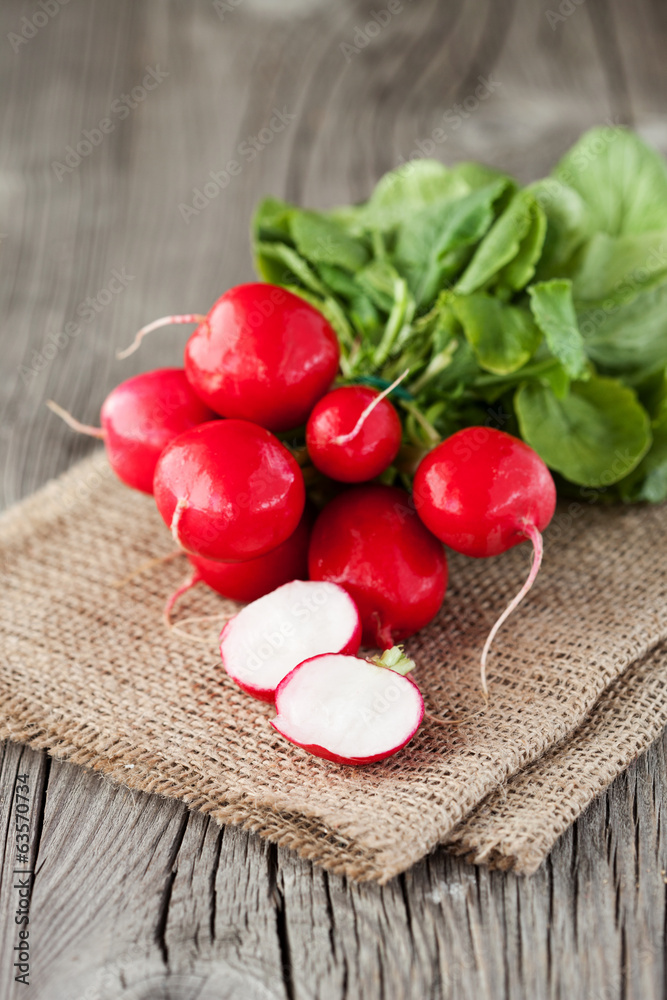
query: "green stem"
518, 376
394, 659
394, 323
434, 367
425, 424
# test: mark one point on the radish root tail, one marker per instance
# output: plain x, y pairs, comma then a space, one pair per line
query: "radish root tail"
177, 629
145, 566
191, 581
75, 424
363, 417
156, 325
535, 537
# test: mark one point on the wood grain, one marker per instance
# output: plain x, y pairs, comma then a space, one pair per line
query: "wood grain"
134, 896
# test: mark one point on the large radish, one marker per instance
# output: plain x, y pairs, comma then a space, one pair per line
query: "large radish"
229, 490
261, 353
370, 541
481, 492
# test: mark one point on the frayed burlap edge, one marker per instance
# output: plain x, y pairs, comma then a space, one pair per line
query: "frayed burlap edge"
517, 826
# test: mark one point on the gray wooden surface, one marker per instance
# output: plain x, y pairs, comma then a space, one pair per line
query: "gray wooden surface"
133, 896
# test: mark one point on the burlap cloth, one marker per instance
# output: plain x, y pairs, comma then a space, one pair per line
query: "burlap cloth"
89, 672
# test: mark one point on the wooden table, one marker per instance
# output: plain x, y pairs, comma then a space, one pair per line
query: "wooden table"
134, 896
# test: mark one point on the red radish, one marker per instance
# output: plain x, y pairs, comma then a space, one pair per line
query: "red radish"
350, 710
139, 419
268, 638
249, 580
353, 433
229, 490
261, 354
481, 492
370, 541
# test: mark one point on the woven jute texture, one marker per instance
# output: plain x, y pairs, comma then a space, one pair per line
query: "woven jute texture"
517, 825
90, 672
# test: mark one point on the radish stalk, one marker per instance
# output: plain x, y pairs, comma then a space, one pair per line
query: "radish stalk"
394, 659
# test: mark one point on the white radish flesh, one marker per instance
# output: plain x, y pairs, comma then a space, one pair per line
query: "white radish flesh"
268, 638
348, 709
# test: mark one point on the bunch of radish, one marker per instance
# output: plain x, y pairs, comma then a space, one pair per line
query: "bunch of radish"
365, 562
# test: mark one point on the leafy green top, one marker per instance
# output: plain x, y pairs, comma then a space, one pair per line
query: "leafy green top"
539, 310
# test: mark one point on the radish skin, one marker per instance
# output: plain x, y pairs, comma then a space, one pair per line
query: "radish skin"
229, 490
253, 578
261, 353
370, 541
353, 434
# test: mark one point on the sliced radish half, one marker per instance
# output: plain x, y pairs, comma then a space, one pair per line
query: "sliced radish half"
268, 638
350, 710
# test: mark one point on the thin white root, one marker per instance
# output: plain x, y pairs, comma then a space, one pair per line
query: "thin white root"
344, 438
223, 619
145, 566
453, 720
438, 722
191, 581
156, 325
535, 537
75, 424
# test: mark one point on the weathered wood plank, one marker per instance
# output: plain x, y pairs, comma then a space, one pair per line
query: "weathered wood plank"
135, 897
134, 892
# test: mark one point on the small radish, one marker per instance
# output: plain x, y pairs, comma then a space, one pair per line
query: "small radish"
260, 354
229, 490
481, 492
350, 710
139, 418
247, 581
353, 433
268, 638
370, 541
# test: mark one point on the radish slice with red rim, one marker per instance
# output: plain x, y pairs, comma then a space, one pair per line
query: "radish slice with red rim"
268, 638
350, 710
